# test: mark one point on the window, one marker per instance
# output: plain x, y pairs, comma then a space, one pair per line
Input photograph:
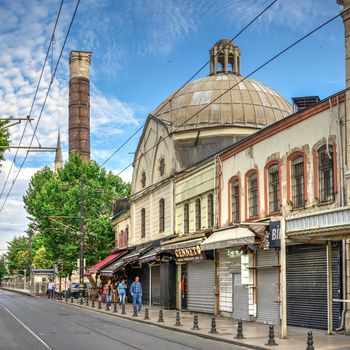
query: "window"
143, 179
274, 188
143, 223
253, 200
120, 240
161, 215
235, 200
126, 236
186, 219
198, 215
326, 174
298, 182
161, 166
210, 210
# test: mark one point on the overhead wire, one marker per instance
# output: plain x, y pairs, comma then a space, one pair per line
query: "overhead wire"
192, 77
243, 79
44, 102
35, 95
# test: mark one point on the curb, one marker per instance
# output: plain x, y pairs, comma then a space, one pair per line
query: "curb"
18, 291
176, 329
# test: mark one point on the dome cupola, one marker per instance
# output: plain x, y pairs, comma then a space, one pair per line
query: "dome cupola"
225, 58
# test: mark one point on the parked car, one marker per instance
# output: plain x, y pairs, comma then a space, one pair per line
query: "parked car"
74, 289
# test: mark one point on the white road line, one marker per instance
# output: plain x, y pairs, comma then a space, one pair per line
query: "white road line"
27, 328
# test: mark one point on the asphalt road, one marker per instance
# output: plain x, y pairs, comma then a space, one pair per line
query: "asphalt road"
28, 323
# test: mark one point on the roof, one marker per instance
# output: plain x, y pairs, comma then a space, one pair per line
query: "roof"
248, 103
109, 259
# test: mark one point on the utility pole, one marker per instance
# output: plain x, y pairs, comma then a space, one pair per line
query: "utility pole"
81, 252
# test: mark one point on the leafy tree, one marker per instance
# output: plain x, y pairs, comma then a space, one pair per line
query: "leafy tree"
42, 259
55, 201
4, 141
3, 269
18, 253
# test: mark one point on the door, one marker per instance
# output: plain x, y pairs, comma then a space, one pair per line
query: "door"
184, 287
201, 286
240, 300
155, 271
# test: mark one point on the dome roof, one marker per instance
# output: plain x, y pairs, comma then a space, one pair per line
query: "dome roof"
249, 104
224, 42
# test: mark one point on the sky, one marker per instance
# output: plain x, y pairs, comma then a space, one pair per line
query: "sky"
142, 51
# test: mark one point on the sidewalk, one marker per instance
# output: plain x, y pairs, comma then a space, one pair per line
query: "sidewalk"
18, 290
256, 334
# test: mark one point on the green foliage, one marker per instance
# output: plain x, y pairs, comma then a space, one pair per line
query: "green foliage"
54, 202
42, 259
4, 141
3, 269
18, 254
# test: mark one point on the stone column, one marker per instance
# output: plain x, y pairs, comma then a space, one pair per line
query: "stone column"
215, 60
226, 59
79, 104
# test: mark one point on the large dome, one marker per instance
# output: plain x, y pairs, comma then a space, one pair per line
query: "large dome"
249, 104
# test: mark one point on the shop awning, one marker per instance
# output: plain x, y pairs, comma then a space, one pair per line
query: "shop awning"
106, 261
151, 255
183, 244
136, 254
113, 267
229, 237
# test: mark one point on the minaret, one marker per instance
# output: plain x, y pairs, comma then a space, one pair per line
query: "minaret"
79, 104
58, 157
225, 58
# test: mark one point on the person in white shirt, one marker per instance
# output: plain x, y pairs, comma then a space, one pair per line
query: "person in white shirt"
50, 289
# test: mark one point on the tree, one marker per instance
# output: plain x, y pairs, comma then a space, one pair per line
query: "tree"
4, 141
18, 254
53, 201
42, 259
3, 269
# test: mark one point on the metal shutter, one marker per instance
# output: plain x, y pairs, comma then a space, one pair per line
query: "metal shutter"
240, 298
155, 285
201, 284
267, 287
144, 278
307, 286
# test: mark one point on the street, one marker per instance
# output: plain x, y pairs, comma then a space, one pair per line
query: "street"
38, 323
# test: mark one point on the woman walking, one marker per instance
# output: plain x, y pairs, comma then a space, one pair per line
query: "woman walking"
122, 291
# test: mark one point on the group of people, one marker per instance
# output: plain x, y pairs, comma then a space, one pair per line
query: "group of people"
135, 292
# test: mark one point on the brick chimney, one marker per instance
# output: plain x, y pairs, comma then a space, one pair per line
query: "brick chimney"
79, 104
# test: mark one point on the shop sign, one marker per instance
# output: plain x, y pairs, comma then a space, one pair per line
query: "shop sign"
188, 252
275, 234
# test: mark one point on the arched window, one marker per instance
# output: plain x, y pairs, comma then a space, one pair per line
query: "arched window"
126, 236
326, 173
120, 239
186, 219
198, 215
210, 200
274, 188
298, 181
253, 192
161, 214
143, 222
235, 200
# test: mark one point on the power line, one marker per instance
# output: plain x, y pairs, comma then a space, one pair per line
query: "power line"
44, 103
225, 92
193, 76
35, 95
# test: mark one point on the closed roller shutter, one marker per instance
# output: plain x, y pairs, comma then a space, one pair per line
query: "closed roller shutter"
267, 286
155, 285
145, 285
201, 283
307, 286
240, 299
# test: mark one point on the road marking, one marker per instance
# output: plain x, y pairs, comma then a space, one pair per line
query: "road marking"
27, 328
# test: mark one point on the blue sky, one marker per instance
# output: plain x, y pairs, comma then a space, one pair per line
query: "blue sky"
142, 51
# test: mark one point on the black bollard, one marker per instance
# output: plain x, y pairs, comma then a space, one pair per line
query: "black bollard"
195, 323
135, 311
99, 304
310, 341
81, 300
160, 316
71, 299
66, 296
123, 309
213, 326
115, 306
271, 341
146, 315
177, 319
107, 306
93, 301
239, 330
87, 300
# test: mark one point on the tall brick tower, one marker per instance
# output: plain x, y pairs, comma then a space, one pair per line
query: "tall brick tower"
79, 104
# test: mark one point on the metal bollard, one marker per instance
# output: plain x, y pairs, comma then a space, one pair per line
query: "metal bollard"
93, 301
177, 319
71, 299
310, 341
123, 309
107, 307
146, 315
99, 303
271, 341
135, 311
81, 300
161, 319
115, 306
195, 323
213, 326
239, 330
66, 297
87, 300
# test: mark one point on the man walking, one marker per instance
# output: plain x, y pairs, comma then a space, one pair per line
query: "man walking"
51, 289
136, 292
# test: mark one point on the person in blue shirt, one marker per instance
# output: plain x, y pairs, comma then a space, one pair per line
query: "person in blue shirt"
122, 291
136, 292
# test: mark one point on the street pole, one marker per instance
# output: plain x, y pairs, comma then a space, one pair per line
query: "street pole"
25, 279
81, 252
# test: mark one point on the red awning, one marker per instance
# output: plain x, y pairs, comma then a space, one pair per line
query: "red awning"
109, 259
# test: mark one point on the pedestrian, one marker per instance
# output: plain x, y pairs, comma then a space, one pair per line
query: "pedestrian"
50, 289
109, 292
136, 292
122, 291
